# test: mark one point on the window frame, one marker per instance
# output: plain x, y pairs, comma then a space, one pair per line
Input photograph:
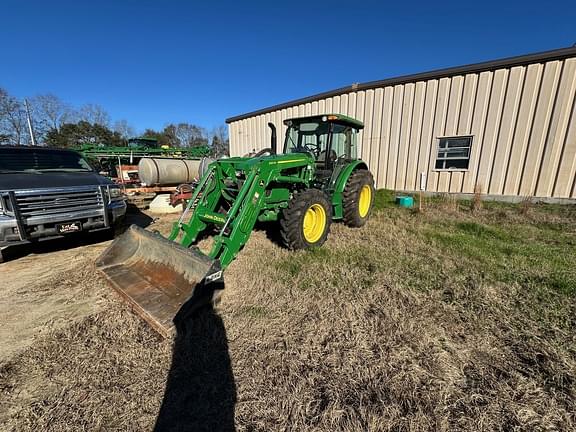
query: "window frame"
444, 159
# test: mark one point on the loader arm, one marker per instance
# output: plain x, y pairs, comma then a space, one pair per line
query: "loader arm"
247, 196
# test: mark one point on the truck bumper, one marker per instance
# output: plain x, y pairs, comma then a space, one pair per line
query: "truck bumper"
45, 228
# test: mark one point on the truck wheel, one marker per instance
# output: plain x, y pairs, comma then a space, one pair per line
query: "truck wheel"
358, 198
2, 255
306, 221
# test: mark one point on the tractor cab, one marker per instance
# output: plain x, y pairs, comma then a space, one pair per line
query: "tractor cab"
330, 139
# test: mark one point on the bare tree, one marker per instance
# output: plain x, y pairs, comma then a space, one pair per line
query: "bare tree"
4, 125
124, 129
169, 134
220, 142
95, 114
50, 112
12, 119
221, 132
186, 135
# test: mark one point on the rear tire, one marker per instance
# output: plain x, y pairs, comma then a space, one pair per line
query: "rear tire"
306, 221
358, 198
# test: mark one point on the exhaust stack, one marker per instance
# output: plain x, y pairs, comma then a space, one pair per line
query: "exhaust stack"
273, 140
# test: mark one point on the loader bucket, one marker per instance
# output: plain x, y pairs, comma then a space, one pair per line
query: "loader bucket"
158, 276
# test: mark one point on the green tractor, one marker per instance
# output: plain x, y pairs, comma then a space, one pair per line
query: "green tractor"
317, 179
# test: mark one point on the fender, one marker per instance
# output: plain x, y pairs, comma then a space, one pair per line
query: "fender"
340, 184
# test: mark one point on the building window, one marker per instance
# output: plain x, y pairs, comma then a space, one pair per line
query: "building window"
453, 153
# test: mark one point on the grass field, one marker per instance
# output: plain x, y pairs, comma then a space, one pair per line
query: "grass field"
450, 319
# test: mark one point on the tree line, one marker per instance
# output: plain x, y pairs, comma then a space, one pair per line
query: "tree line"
57, 124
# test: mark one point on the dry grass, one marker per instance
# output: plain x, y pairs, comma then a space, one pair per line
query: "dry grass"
476, 204
448, 202
526, 205
441, 320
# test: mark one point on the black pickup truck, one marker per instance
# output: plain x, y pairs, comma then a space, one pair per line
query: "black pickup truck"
48, 193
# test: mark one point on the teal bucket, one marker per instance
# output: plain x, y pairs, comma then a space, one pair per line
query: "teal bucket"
405, 201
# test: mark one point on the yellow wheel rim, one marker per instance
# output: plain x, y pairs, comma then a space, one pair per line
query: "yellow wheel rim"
364, 200
314, 223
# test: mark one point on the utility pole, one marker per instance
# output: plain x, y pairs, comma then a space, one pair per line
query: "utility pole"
30, 128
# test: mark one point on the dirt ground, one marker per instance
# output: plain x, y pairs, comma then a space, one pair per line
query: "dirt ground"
415, 322
51, 285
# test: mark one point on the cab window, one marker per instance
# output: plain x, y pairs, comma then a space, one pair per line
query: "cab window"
344, 141
310, 137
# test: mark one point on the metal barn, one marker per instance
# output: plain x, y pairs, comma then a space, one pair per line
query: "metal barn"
506, 126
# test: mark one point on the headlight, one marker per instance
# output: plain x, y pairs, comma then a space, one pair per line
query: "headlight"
1, 204
115, 192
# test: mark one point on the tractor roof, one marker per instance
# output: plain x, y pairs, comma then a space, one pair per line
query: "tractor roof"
335, 118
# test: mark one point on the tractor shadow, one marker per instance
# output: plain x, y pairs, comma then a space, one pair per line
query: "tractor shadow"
200, 392
137, 217
272, 231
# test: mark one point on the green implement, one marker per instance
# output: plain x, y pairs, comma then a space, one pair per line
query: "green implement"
95, 151
315, 180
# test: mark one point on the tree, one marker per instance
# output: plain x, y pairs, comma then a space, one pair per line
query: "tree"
220, 143
50, 112
58, 124
73, 134
124, 129
185, 135
12, 119
169, 133
95, 114
201, 137
179, 135
159, 136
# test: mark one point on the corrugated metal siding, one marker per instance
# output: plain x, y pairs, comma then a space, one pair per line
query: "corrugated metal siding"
522, 120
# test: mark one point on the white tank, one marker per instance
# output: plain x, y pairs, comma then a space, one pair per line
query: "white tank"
163, 171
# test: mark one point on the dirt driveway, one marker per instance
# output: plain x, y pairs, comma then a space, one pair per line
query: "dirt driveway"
51, 285
45, 291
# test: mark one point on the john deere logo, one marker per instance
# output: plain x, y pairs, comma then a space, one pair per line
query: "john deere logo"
215, 218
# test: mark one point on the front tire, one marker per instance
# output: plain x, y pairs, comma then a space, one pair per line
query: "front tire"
358, 198
306, 221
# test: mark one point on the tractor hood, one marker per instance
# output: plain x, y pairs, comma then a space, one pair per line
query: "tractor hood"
291, 159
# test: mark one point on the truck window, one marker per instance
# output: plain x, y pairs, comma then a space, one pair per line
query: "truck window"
23, 161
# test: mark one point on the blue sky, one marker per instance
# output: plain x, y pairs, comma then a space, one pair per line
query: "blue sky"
154, 62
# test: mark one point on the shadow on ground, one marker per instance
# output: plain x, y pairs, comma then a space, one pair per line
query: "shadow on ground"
200, 391
272, 231
72, 241
136, 217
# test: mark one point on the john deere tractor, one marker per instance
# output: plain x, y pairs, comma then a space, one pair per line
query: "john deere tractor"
317, 179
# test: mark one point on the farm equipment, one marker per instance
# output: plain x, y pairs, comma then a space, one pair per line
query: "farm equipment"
136, 151
315, 180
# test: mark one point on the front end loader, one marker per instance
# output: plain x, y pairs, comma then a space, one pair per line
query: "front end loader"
317, 179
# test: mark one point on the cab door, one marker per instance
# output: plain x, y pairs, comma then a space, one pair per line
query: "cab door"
342, 150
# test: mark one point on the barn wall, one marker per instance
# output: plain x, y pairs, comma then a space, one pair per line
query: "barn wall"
522, 120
